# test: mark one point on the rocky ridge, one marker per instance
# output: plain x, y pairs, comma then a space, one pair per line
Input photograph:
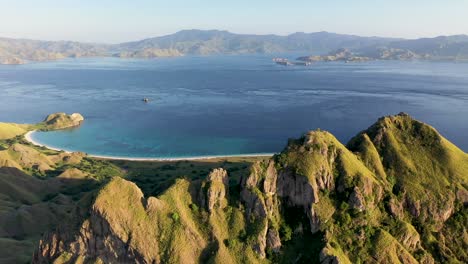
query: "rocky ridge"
376, 200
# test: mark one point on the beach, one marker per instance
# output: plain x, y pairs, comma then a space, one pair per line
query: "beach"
29, 138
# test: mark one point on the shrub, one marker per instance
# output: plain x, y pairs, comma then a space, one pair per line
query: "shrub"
194, 207
231, 242
285, 232
175, 217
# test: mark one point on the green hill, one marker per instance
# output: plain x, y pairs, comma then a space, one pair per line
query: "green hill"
8, 130
396, 193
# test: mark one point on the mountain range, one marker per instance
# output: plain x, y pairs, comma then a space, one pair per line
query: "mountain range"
211, 42
395, 193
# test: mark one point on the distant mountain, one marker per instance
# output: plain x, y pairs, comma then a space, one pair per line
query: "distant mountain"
210, 42
17, 51
451, 47
207, 42
439, 48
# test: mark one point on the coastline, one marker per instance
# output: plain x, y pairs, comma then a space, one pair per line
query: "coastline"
28, 138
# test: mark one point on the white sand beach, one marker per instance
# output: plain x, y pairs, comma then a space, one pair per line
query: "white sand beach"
28, 137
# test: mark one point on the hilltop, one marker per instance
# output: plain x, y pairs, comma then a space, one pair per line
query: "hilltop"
217, 42
396, 193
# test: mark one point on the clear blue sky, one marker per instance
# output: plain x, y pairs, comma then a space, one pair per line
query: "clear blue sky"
114, 21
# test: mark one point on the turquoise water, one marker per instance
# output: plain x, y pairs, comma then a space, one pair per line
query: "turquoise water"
205, 106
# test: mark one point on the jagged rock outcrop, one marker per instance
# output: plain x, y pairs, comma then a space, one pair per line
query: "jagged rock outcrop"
408, 236
317, 163
123, 226
217, 184
111, 234
258, 193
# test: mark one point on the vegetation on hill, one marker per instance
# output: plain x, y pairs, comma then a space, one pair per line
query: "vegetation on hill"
60, 121
396, 193
8, 130
43, 191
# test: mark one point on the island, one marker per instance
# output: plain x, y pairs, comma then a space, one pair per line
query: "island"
347, 55
59, 121
219, 42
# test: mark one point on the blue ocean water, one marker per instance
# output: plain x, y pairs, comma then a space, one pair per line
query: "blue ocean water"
226, 105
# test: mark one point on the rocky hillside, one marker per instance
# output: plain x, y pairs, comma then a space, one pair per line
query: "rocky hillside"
61, 121
396, 193
41, 189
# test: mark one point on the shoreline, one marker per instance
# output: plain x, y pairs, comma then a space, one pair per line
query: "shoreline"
28, 138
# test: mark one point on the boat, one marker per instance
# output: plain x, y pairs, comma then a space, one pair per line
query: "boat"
286, 62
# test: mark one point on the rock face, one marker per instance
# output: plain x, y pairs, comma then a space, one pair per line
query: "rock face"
273, 240
259, 194
110, 234
62, 121
218, 186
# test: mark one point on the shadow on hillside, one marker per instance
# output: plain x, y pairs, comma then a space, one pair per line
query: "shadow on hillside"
154, 177
34, 207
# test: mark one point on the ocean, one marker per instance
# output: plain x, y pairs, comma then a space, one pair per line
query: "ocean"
226, 105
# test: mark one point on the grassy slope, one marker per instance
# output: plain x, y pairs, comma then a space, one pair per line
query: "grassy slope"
407, 159
411, 162
423, 170
415, 156
8, 130
28, 195
183, 234
39, 189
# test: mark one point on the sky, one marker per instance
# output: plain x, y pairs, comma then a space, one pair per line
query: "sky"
107, 21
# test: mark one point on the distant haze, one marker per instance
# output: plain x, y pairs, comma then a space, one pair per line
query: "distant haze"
115, 21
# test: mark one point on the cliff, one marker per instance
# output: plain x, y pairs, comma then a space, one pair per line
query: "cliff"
396, 193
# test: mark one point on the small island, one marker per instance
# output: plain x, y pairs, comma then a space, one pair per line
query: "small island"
61, 121
364, 55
